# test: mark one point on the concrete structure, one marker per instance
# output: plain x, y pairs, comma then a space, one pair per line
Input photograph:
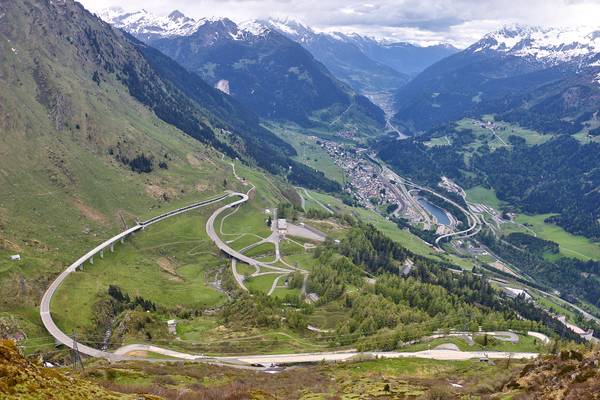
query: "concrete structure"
45, 314
312, 298
514, 293
172, 326
587, 335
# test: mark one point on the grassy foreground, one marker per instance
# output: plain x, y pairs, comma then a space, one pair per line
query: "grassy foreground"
369, 379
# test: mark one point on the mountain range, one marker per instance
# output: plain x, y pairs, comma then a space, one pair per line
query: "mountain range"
547, 79
370, 66
227, 56
261, 68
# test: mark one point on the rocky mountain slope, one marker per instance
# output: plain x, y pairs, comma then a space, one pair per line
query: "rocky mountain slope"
546, 45
257, 65
545, 79
22, 379
402, 57
375, 68
570, 375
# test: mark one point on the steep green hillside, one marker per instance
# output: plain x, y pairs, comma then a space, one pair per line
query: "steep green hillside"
77, 156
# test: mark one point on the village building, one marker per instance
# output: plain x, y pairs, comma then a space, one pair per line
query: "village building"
282, 226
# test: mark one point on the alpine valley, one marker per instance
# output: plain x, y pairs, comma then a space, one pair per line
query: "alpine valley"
197, 208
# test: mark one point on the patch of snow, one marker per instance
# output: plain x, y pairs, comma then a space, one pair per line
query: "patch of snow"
281, 26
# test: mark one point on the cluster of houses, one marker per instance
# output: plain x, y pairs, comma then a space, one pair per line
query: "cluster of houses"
365, 181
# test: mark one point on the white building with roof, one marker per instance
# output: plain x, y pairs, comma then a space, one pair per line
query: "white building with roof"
282, 226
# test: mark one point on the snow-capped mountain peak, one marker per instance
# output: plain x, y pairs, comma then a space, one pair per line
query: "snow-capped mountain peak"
177, 15
290, 26
145, 24
148, 26
253, 27
549, 45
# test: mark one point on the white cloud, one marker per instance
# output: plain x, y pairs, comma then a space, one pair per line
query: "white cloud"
459, 22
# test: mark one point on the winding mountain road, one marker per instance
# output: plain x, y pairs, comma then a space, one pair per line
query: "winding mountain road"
125, 353
45, 313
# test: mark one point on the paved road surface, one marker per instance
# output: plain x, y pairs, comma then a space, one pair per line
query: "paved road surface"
323, 206
435, 354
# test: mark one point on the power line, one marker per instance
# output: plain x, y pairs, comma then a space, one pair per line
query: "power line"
75, 356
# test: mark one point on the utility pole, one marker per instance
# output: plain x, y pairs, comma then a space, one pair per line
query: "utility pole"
75, 355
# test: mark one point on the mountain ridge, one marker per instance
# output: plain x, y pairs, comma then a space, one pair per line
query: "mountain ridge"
549, 45
263, 69
510, 74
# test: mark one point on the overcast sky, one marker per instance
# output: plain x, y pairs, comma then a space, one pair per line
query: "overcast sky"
459, 22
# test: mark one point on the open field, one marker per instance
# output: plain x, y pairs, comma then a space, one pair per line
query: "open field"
309, 152
247, 220
404, 378
481, 195
328, 316
289, 247
284, 292
262, 250
439, 141
503, 130
303, 260
570, 245
244, 269
525, 344
260, 283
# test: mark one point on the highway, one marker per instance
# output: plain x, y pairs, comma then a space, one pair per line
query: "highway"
212, 234
473, 229
45, 314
